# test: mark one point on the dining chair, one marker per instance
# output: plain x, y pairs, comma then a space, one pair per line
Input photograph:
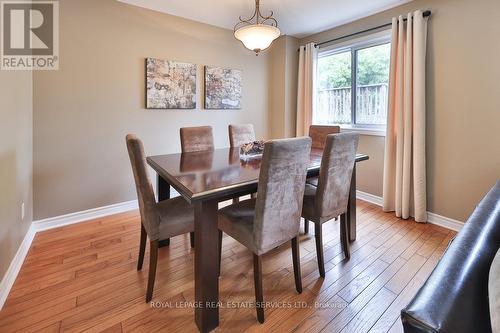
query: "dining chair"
329, 198
318, 134
273, 218
196, 139
159, 220
240, 134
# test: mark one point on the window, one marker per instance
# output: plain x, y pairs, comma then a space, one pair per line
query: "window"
352, 84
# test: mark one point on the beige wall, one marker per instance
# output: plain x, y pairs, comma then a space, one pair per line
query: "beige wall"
463, 103
283, 62
83, 111
276, 77
291, 76
16, 164
282, 78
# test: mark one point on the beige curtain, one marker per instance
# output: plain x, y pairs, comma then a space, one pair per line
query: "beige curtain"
305, 88
404, 189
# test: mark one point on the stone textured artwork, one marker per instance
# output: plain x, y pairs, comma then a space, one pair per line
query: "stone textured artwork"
170, 84
222, 88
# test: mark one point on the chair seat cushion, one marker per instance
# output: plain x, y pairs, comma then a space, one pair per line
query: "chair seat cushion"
176, 217
308, 211
308, 208
494, 293
237, 219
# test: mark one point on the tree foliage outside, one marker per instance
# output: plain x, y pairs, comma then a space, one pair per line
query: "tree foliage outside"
373, 68
334, 71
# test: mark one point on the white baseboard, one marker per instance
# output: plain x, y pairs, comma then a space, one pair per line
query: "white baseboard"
15, 265
444, 221
369, 198
433, 218
90, 214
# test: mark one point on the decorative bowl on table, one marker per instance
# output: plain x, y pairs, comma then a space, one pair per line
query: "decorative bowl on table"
251, 150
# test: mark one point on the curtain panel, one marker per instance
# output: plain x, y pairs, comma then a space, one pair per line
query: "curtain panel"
305, 88
404, 184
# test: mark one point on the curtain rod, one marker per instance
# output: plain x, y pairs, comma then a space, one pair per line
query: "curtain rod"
424, 14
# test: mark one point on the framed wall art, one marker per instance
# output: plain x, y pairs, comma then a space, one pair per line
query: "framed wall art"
170, 84
222, 88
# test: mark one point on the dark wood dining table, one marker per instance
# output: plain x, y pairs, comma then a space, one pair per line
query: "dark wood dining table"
204, 179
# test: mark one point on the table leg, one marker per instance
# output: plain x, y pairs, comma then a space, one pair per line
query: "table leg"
163, 194
206, 258
163, 189
351, 207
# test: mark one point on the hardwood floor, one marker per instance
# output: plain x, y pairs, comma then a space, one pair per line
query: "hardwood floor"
83, 277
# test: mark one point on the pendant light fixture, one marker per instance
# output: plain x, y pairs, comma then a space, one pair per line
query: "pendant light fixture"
257, 35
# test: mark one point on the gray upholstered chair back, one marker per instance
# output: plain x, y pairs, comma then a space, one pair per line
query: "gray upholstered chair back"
196, 139
145, 194
240, 134
318, 134
335, 174
281, 189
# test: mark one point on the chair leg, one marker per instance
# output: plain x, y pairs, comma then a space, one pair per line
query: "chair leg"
142, 248
319, 248
344, 236
257, 277
191, 239
153, 259
236, 200
306, 226
220, 250
296, 264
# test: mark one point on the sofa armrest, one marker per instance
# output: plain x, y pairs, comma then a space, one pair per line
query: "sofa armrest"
455, 296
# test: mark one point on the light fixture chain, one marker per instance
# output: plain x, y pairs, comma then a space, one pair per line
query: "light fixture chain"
257, 36
257, 9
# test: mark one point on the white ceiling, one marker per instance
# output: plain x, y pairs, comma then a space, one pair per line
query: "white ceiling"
297, 18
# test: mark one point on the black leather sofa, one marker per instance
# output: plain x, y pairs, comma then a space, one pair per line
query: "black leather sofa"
455, 296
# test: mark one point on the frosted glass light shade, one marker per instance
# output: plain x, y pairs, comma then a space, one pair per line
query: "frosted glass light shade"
257, 37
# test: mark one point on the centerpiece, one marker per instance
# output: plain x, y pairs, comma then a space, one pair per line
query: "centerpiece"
251, 150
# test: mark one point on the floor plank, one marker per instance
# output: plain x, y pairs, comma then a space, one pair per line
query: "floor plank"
83, 277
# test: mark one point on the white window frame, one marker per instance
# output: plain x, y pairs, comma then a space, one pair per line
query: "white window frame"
353, 45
